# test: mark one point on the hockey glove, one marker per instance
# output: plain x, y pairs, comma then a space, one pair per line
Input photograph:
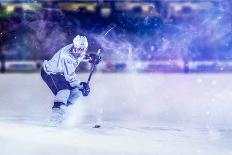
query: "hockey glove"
85, 89
94, 58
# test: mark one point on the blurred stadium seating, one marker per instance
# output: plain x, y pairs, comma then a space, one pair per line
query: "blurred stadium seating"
160, 34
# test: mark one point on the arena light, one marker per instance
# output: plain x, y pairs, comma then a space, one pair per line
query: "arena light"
30, 6
9, 8
76, 6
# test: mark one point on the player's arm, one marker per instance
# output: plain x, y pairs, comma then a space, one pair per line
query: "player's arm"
72, 78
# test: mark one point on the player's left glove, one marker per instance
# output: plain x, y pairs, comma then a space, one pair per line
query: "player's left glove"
94, 58
85, 89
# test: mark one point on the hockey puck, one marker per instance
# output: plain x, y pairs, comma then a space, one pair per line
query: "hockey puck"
97, 126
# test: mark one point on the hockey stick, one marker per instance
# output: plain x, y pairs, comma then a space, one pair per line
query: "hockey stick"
93, 68
85, 90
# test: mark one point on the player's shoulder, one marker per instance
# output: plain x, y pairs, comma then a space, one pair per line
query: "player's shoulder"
65, 54
65, 51
66, 48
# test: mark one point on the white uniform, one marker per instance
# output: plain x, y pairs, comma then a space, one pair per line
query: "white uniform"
65, 63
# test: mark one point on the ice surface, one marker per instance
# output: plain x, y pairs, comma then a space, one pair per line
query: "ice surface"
140, 114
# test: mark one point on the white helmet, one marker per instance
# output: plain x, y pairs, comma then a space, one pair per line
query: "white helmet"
80, 45
80, 42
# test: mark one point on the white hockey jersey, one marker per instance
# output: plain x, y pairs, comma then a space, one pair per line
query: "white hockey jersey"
65, 63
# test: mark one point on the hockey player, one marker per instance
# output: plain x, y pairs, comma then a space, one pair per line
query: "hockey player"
60, 76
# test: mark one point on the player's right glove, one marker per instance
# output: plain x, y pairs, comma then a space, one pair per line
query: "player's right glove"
85, 89
94, 58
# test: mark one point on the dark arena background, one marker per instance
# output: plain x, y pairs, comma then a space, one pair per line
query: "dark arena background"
162, 87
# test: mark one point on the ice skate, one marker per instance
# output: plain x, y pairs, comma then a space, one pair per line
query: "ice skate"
57, 116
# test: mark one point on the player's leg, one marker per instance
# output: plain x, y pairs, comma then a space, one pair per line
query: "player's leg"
61, 89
